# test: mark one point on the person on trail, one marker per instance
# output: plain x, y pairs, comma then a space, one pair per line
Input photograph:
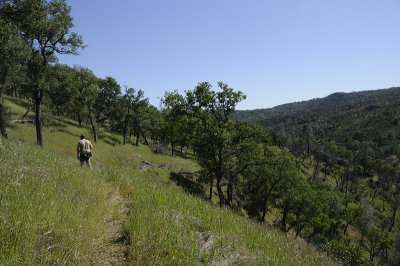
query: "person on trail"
84, 151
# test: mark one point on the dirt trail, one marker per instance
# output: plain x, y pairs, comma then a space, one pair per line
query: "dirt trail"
114, 249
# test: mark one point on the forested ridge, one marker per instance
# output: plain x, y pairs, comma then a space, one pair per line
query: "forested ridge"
338, 116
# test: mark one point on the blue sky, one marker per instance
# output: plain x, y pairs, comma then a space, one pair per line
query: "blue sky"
274, 51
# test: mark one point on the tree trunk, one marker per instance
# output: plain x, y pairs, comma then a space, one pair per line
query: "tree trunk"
230, 191
283, 221
137, 136
346, 184
124, 138
145, 139
316, 172
393, 218
362, 235
137, 139
38, 117
23, 117
264, 211
93, 127
372, 254
211, 187
3, 129
220, 192
79, 119
124, 132
125, 127
345, 228
365, 163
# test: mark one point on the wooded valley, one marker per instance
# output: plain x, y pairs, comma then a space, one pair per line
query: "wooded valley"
351, 142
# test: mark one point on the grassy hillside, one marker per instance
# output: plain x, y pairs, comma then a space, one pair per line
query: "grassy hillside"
51, 211
55, 212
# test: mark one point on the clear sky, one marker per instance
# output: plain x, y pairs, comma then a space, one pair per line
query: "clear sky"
275, 51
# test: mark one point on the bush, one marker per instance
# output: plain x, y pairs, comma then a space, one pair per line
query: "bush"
345, 252
159, 148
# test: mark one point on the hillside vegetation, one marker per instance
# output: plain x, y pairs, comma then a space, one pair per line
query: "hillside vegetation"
339, 116
55, 212
352, 142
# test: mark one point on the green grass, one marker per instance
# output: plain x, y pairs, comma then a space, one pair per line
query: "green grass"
52, 211
177, 229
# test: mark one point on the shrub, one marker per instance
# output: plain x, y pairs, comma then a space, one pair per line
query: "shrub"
159, 148
346, 252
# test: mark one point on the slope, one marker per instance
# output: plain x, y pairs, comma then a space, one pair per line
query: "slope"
55, 212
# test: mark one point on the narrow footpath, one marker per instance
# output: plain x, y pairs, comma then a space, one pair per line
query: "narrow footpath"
114, 249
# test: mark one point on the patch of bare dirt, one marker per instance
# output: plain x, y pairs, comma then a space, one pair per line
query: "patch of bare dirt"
114, 249
227, 256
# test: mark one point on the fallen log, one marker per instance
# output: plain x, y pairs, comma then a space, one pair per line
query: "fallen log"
149, 163
22, 121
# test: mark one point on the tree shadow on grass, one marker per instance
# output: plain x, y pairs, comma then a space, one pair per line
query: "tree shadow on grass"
109, 139
21, 102
186, 182
185, 154
52, 121
64, 131
67, 121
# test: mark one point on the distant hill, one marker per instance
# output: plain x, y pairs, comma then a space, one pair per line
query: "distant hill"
372, 115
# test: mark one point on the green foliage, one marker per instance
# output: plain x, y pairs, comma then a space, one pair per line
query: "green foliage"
297, 206
12, 52
106, 101
210, 111
176, 121
151, 122
62, 88
86, 92
203, 114
351, 143
377, 240
346, 253
45, 27
268, 180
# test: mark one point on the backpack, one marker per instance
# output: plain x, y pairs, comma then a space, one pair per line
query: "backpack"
86, 155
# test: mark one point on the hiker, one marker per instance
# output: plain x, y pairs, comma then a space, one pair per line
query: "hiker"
84, 151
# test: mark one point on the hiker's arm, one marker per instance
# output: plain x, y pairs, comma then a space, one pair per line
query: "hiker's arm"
77, 152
